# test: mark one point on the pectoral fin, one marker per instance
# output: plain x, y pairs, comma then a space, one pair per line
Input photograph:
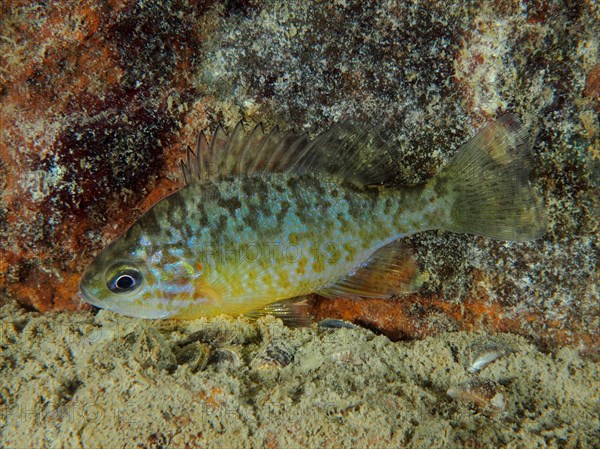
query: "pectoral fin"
391, 270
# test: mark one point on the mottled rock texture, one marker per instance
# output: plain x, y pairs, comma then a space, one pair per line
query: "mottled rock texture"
98, 99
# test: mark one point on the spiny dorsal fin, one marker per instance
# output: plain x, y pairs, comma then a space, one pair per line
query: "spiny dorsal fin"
390, 271
348, 151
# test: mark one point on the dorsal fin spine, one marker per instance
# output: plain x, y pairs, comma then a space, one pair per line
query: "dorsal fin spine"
347, 151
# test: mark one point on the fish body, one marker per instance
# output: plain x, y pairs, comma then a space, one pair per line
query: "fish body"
283, 220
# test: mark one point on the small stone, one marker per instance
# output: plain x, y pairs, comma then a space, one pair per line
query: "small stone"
151, 350
332, 323
486, 394
226, 356
277, 354
485, 351
347, 356
195, 355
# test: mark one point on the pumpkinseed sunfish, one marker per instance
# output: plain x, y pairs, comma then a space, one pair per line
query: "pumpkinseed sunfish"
266, 219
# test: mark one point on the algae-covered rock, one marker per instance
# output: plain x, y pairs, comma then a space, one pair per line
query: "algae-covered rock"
98, 101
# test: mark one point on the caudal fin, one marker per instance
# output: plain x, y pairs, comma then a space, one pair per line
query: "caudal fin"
487, 185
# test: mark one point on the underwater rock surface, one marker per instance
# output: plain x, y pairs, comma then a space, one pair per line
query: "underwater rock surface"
99, 99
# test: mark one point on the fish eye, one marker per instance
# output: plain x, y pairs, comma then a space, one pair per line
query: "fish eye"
124, 280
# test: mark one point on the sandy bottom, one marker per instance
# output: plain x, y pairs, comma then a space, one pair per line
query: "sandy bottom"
106, 381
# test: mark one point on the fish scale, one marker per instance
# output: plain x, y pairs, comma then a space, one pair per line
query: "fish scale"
321, 217
315, 218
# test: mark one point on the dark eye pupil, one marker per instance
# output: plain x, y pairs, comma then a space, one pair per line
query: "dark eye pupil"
125, 281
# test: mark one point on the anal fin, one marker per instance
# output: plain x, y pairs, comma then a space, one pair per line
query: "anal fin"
390, 271
294, 312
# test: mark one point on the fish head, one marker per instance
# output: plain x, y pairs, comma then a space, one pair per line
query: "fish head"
141, 280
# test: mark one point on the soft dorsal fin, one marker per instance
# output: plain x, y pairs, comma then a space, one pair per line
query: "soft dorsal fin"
348, 151
353, 152
390, 271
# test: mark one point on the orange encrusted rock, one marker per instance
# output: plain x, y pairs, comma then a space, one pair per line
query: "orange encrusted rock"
98, 101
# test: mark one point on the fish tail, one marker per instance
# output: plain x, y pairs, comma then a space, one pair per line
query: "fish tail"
486, 186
